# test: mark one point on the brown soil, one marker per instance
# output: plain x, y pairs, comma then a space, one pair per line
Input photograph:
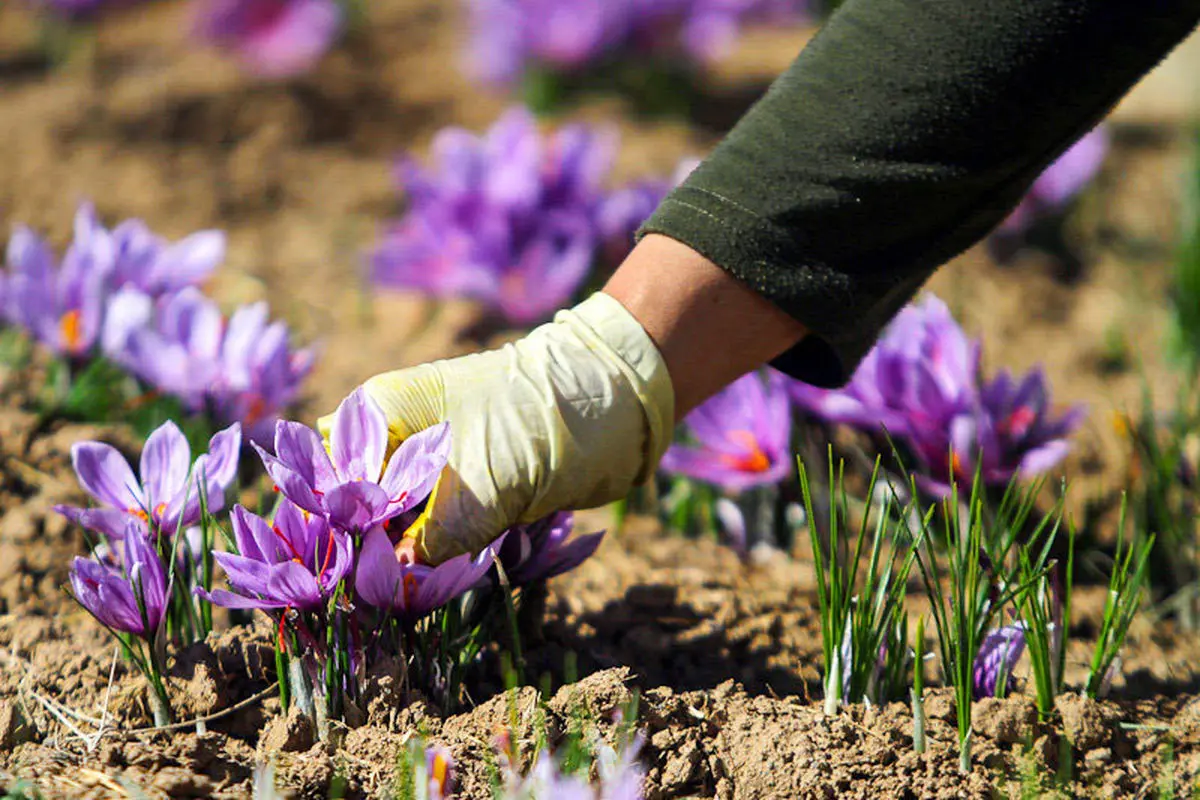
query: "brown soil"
725, 655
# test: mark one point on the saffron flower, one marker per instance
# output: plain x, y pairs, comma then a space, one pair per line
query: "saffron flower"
1008, 430
539, 551
507, 36
743, 436
922, 382
1058, 185
127, 599
350, 484
242, 369
296, 561
619, 776
271, 38
999, 653
413, 590
62, 306
923, 369
507, 218
167, 496
66, 306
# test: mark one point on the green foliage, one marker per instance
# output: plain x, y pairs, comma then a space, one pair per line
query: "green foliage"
1125, 585
1185, 295
861, 605
982, 577
1045, 609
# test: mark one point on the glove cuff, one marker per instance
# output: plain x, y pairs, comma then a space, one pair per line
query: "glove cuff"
606, 322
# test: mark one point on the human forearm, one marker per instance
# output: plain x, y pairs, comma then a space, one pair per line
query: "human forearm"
709, 327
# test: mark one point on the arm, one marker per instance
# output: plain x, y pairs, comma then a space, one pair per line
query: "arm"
901, 135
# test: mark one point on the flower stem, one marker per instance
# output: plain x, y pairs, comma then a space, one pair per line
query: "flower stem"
301, 688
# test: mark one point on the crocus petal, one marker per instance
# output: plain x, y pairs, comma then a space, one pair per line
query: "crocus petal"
292, 484
415, 467
379, 577
109, 521
106, 476
188, 261
302, 450
357, 506
246, 575
359, 438
166, 461
220, 597
293, 584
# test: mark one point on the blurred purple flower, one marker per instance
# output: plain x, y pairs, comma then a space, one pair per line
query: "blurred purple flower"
438, 779
67, 306
999, 653
413, 590
619, 777
743, 436
271, 38
922, 381
1007, 431
118, 596
1058, 185
244, 369
295, 562
81, 8
349, 484
922, 369
623, 211
62, 306
166, 497
539, 551
509, 35
507, 218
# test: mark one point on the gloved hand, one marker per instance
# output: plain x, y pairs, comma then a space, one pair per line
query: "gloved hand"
571, 416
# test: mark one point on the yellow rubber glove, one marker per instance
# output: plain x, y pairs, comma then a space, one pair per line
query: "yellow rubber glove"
571, 416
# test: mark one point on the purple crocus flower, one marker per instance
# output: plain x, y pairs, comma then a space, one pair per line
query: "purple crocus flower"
509, 35
922, 369
243, 369
118, 596
166, 496
147, 262
62, 306
350, 484
412, 590
507, 218
1008, 430
294, 562
743, 436
539, 551
1000, 651
271, 38
1059, 184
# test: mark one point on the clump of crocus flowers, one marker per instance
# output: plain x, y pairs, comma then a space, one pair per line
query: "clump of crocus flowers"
132, 298
139, 582
510, 37
514, 218
922, 387
323, 565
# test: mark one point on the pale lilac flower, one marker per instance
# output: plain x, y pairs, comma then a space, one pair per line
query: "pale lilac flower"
350, 484
272, 38
509, 36
999, 653
507, 218
743, 436
167, 495
155, 266
413, 590
1059, 184
619, 777
62, 306
296, 561
241, 369
127, 599
541, 550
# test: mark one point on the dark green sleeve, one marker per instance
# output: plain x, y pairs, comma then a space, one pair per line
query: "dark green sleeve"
900, 136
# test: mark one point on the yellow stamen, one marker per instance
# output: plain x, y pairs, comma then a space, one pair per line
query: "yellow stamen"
69, 329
